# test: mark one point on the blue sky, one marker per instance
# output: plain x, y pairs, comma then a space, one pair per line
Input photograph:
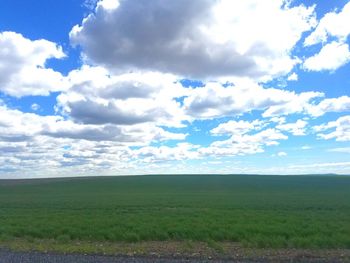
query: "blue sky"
135, 87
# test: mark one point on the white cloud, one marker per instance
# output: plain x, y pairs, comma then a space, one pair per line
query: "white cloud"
295, 103
333, 24
16, 126
181, 151
215, 100
46, 156
22, 66
293, 77
297, 128
127, 96
279, 120
237, 127
340, 104
306, 147
331, 57
320, 165
35, 106
108, 4
33, 145
335, 54
243, 144
340, 127
281, 154
198, 39
97, 97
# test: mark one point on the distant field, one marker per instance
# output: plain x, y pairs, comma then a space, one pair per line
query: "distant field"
256, 211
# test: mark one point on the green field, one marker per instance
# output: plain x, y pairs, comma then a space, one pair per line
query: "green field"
256, 211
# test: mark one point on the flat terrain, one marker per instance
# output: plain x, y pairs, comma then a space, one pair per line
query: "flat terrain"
91, 214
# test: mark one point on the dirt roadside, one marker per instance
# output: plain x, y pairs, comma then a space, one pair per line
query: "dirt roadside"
156, 251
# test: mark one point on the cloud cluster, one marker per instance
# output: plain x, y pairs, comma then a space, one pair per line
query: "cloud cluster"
22, 66
119, 110
331, 57
16, 126
340, 104
243, 144
237, 127
334, 25
199, 39
97, 97
217, 100
297, 128
339, 129
30, 144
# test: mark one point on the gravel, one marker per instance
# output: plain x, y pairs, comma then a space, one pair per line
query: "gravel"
7, 256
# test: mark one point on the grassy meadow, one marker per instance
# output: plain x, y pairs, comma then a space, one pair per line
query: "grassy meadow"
255, 211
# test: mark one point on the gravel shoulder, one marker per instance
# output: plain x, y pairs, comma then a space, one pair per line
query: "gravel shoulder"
49, 251
38, 257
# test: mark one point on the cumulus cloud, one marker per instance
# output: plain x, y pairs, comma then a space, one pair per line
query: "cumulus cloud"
99, 97
333, 24
22, 66
215, 100
96, 97
245, 138
117, 112
243, 144
296, 103
331, 57
198, 39
17, 126
340, 129
54, 145
181, 151
293, 77
237, 127
47, 156
297, 128
340, 104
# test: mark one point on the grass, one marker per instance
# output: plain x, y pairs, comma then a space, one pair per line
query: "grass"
255, 211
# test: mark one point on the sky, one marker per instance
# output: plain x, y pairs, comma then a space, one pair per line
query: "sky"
125, 87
